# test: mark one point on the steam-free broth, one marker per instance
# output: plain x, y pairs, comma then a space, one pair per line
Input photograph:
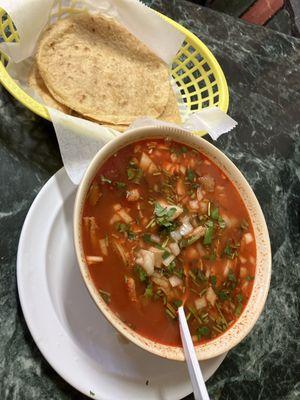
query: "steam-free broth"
162, 225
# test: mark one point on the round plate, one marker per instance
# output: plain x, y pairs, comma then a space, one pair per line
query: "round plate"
65, 323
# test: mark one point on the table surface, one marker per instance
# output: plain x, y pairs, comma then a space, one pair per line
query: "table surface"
262, 68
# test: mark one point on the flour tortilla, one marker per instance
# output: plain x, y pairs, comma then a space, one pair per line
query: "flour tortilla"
93, 65
36, 82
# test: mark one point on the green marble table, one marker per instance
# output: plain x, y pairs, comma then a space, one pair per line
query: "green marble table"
263, 72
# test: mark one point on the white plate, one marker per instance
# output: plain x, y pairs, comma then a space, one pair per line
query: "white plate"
65, 323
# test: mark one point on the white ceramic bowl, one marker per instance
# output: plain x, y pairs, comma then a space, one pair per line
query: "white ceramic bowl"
259, 293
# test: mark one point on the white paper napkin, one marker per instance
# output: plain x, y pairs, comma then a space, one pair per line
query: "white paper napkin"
79, 140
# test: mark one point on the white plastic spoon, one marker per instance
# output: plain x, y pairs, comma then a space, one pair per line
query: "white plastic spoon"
199, 388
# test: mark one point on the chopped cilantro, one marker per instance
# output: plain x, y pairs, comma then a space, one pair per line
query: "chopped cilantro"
134, 173
213, 280
147, 238
131, 173
177, 303
125, 228
230, 251
171, 267
163, 215
148, 291
238, 309
179, 272
221, 222
231, 276
190, 174
249, 278
166, 254
222, 295
214, 214
209, 232
141, 273
203, 331
120, 185
121, 227
239, 297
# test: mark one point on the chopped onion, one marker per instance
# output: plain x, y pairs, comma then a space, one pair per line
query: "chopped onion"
203, 207
162, 282
243, 272
186, 227
121, 252
124, 216
194, 221
93, 259
194, 204
130, 283
248, 238
201, 249
117, 207
175, 281
180, 188
173, 157
176, 235
230, 221
147, 164
200, 303
199, 194
174, 249
93, 228
103, 247
243, 260
157, 256
132, 195
182, 169
155, 238
167, 261
211, 296
227, 267
198, 232
146, 260
208, 182
114, 218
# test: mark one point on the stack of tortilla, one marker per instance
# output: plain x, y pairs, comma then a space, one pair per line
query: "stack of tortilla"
92, 67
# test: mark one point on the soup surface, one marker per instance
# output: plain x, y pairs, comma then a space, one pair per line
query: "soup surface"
163, 226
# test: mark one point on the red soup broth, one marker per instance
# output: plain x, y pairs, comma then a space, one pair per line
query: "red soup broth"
162, 225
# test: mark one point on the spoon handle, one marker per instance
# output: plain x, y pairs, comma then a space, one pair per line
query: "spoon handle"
199, 387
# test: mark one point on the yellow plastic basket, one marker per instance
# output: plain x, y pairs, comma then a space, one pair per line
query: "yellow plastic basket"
196, 71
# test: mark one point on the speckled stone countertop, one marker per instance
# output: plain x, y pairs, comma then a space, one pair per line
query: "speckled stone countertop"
263, 72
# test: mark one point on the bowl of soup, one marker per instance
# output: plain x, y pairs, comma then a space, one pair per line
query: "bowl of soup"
162, 219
